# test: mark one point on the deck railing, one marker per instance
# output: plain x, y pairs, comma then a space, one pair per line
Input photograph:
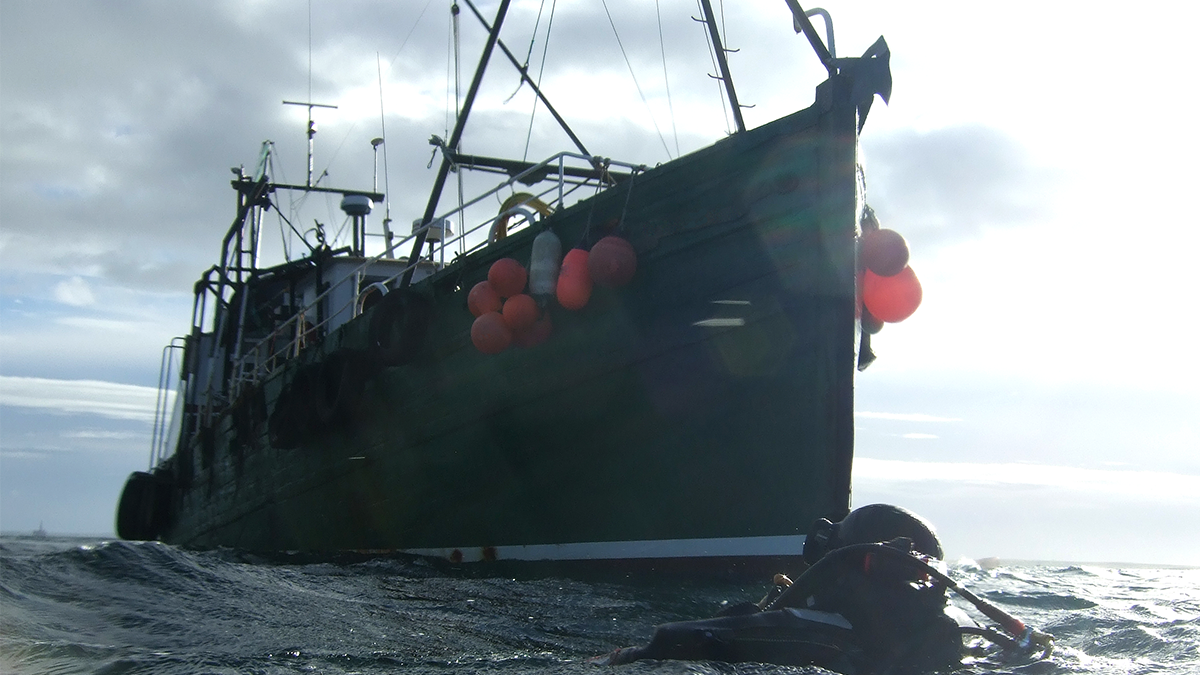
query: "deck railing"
166, 403
265, 355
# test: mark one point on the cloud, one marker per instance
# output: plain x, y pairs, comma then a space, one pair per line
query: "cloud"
950, 184
107, 399
1157, 486
1038, 511
101, 434
74, 291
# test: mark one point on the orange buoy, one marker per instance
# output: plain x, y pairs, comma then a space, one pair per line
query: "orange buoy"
893, 298
489, 333
574, 282
483, 299
884, 252
508, 277
520, 312
612, 262
535, 334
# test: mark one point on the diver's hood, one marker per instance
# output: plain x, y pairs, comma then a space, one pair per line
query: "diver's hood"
869, 524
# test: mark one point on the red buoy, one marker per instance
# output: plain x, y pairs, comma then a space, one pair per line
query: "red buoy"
574, 282
534, 335
483, 299
508, 277
884, 252
520, 312
489, 333
893, 298
612, 262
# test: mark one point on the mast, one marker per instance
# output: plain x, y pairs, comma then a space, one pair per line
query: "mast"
444, 170
723, 64
312, 131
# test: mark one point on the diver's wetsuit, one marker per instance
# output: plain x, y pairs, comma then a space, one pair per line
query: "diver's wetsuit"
790, 637
855, 611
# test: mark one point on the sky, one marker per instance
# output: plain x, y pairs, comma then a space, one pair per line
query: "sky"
1041, 404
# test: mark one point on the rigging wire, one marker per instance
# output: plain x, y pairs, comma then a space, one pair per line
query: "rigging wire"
635, 82
340, 230
387, 190
354, 125
457, 66
310, 54
410, 33
541, 70
713, 57
462, 219
532, 39
724, 31
670, 107
449, 60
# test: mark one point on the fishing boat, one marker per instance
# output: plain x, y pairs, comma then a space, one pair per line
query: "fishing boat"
675, 387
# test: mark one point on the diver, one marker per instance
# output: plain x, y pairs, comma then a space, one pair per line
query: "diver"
871, 601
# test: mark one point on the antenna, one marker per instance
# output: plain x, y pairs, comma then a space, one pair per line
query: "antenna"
375, 143
312, 131
312, 126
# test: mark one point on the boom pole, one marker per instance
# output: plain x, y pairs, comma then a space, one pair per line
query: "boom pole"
444, 170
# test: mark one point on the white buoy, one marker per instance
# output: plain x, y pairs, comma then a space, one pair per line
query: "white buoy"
544, 264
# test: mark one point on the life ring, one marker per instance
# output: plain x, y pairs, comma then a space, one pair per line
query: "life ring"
398, 327
519, 203
338, 387
370, 296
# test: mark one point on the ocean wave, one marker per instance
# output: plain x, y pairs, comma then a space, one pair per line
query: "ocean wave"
122, 607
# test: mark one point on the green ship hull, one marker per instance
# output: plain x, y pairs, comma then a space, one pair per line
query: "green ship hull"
701, 413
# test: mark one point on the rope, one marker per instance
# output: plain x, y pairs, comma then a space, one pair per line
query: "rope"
628, 194
635, 82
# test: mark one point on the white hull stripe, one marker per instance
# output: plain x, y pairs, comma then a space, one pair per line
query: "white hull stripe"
736, 547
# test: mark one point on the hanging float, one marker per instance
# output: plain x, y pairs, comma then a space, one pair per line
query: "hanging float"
506, 315
890, 289
884, 252
490, 334
574, 281
520, 312
535, 334
612, 262
508, 277
483, 299
892, 299
544, 263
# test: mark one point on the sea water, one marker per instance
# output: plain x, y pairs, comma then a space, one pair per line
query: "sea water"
90, 606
